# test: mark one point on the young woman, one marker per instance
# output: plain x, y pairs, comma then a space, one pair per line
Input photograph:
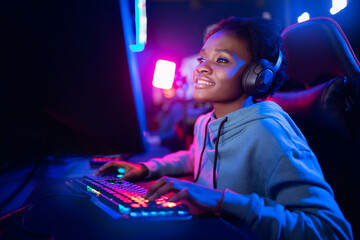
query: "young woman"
249, 159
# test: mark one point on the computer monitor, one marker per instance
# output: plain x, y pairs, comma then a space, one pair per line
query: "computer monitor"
66, 83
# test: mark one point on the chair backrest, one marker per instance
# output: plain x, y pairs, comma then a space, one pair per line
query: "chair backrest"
322, 96
318, 50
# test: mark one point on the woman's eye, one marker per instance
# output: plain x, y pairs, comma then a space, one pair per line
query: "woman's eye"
222, 60
200, 60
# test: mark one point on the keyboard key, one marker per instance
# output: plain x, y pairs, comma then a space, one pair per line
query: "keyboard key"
128, 199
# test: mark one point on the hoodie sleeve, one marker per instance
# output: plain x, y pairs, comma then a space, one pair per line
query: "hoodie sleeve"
174, 164
181, 162
299, 203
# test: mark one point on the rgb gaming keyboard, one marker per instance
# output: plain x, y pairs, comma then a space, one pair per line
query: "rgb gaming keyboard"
127, 200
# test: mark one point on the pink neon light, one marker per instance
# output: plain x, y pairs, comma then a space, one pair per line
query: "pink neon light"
164, 74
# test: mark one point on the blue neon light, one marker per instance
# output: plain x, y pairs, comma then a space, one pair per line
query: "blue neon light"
137, 47
135, 78
140, 26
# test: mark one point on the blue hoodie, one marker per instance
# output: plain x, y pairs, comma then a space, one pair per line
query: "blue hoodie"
272, 180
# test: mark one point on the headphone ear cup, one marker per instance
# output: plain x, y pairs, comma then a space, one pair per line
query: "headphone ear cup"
257, 78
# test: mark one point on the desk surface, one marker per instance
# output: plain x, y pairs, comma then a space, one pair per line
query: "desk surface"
57, 211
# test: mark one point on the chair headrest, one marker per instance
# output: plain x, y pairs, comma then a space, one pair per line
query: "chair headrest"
318, 50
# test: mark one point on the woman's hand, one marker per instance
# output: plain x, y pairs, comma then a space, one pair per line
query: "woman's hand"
202, 197
132, 171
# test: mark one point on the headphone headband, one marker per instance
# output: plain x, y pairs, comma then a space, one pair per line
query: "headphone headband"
278, 62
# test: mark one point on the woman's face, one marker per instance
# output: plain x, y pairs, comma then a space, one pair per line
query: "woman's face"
222, 61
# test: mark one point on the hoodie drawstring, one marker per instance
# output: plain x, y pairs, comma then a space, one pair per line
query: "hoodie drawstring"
216, 151
202, 151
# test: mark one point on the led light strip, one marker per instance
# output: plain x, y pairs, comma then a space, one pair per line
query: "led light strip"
140, 25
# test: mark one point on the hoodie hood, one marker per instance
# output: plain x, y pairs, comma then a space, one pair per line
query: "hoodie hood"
237, 121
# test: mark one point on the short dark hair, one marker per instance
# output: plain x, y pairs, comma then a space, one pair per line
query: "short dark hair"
263, 39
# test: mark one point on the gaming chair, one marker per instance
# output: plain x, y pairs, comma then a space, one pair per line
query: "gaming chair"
322, 97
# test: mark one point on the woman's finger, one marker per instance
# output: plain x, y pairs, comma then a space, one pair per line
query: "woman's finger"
183, 193
129, 175
162, 190
154, 187
112, 166
168, 187
105, 168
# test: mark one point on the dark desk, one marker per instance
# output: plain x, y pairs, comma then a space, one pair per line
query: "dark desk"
56, 210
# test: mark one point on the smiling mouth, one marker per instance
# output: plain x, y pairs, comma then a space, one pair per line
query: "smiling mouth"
205, 82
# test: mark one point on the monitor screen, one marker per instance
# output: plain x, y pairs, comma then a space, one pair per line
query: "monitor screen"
66, 84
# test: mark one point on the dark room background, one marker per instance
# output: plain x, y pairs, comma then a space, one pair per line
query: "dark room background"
176, 27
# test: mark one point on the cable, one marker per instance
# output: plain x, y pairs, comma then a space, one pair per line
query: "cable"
45, 234
22, 185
